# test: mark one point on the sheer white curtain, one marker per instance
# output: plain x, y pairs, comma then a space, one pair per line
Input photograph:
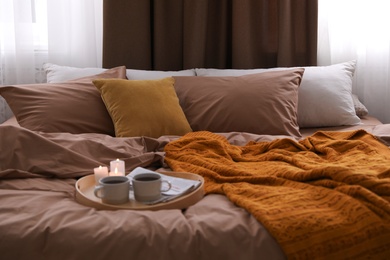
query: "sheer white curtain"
360, 30
75, 29
16, 41
32, 32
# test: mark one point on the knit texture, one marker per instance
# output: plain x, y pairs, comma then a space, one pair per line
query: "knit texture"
326, 196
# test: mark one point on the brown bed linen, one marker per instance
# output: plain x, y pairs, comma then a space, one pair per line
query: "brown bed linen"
368, 123
40, 219
11, 121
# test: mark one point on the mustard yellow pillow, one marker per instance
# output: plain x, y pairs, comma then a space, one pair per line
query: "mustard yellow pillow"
143, 107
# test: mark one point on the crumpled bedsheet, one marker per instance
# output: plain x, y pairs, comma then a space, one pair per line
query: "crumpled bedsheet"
40, 219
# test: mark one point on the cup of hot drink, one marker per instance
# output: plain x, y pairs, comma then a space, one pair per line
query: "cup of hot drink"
113, 189
147, 187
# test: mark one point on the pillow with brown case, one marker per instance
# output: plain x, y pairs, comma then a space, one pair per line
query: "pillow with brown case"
263, 103
73, 106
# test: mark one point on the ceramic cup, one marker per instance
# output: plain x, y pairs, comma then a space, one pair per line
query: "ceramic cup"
113, 189
147, 187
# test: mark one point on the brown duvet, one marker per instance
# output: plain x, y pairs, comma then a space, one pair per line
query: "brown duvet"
40, 219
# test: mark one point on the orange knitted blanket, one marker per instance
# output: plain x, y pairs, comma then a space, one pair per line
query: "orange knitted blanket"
326, 196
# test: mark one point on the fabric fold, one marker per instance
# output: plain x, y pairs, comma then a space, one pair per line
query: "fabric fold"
64, 155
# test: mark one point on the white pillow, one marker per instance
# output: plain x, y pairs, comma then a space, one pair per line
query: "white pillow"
229, 72
57, 73
324, 96
155, 74
360, 108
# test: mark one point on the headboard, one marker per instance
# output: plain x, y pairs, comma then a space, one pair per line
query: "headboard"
176, 34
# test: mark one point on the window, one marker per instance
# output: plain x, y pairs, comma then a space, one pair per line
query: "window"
39, 24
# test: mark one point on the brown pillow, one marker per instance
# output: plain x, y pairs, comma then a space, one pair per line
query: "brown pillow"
143, 107
263, 103
72, 106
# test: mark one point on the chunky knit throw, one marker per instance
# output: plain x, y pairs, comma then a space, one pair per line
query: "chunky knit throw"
326, 196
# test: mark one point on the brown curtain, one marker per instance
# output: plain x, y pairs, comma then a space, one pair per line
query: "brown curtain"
182, 34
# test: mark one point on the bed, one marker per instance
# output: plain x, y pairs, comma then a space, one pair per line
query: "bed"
294, 165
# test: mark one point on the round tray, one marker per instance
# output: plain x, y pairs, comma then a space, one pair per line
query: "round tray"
86, 185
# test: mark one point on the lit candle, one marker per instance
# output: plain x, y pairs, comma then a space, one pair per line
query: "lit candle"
100, 172
117, 167
116, 173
